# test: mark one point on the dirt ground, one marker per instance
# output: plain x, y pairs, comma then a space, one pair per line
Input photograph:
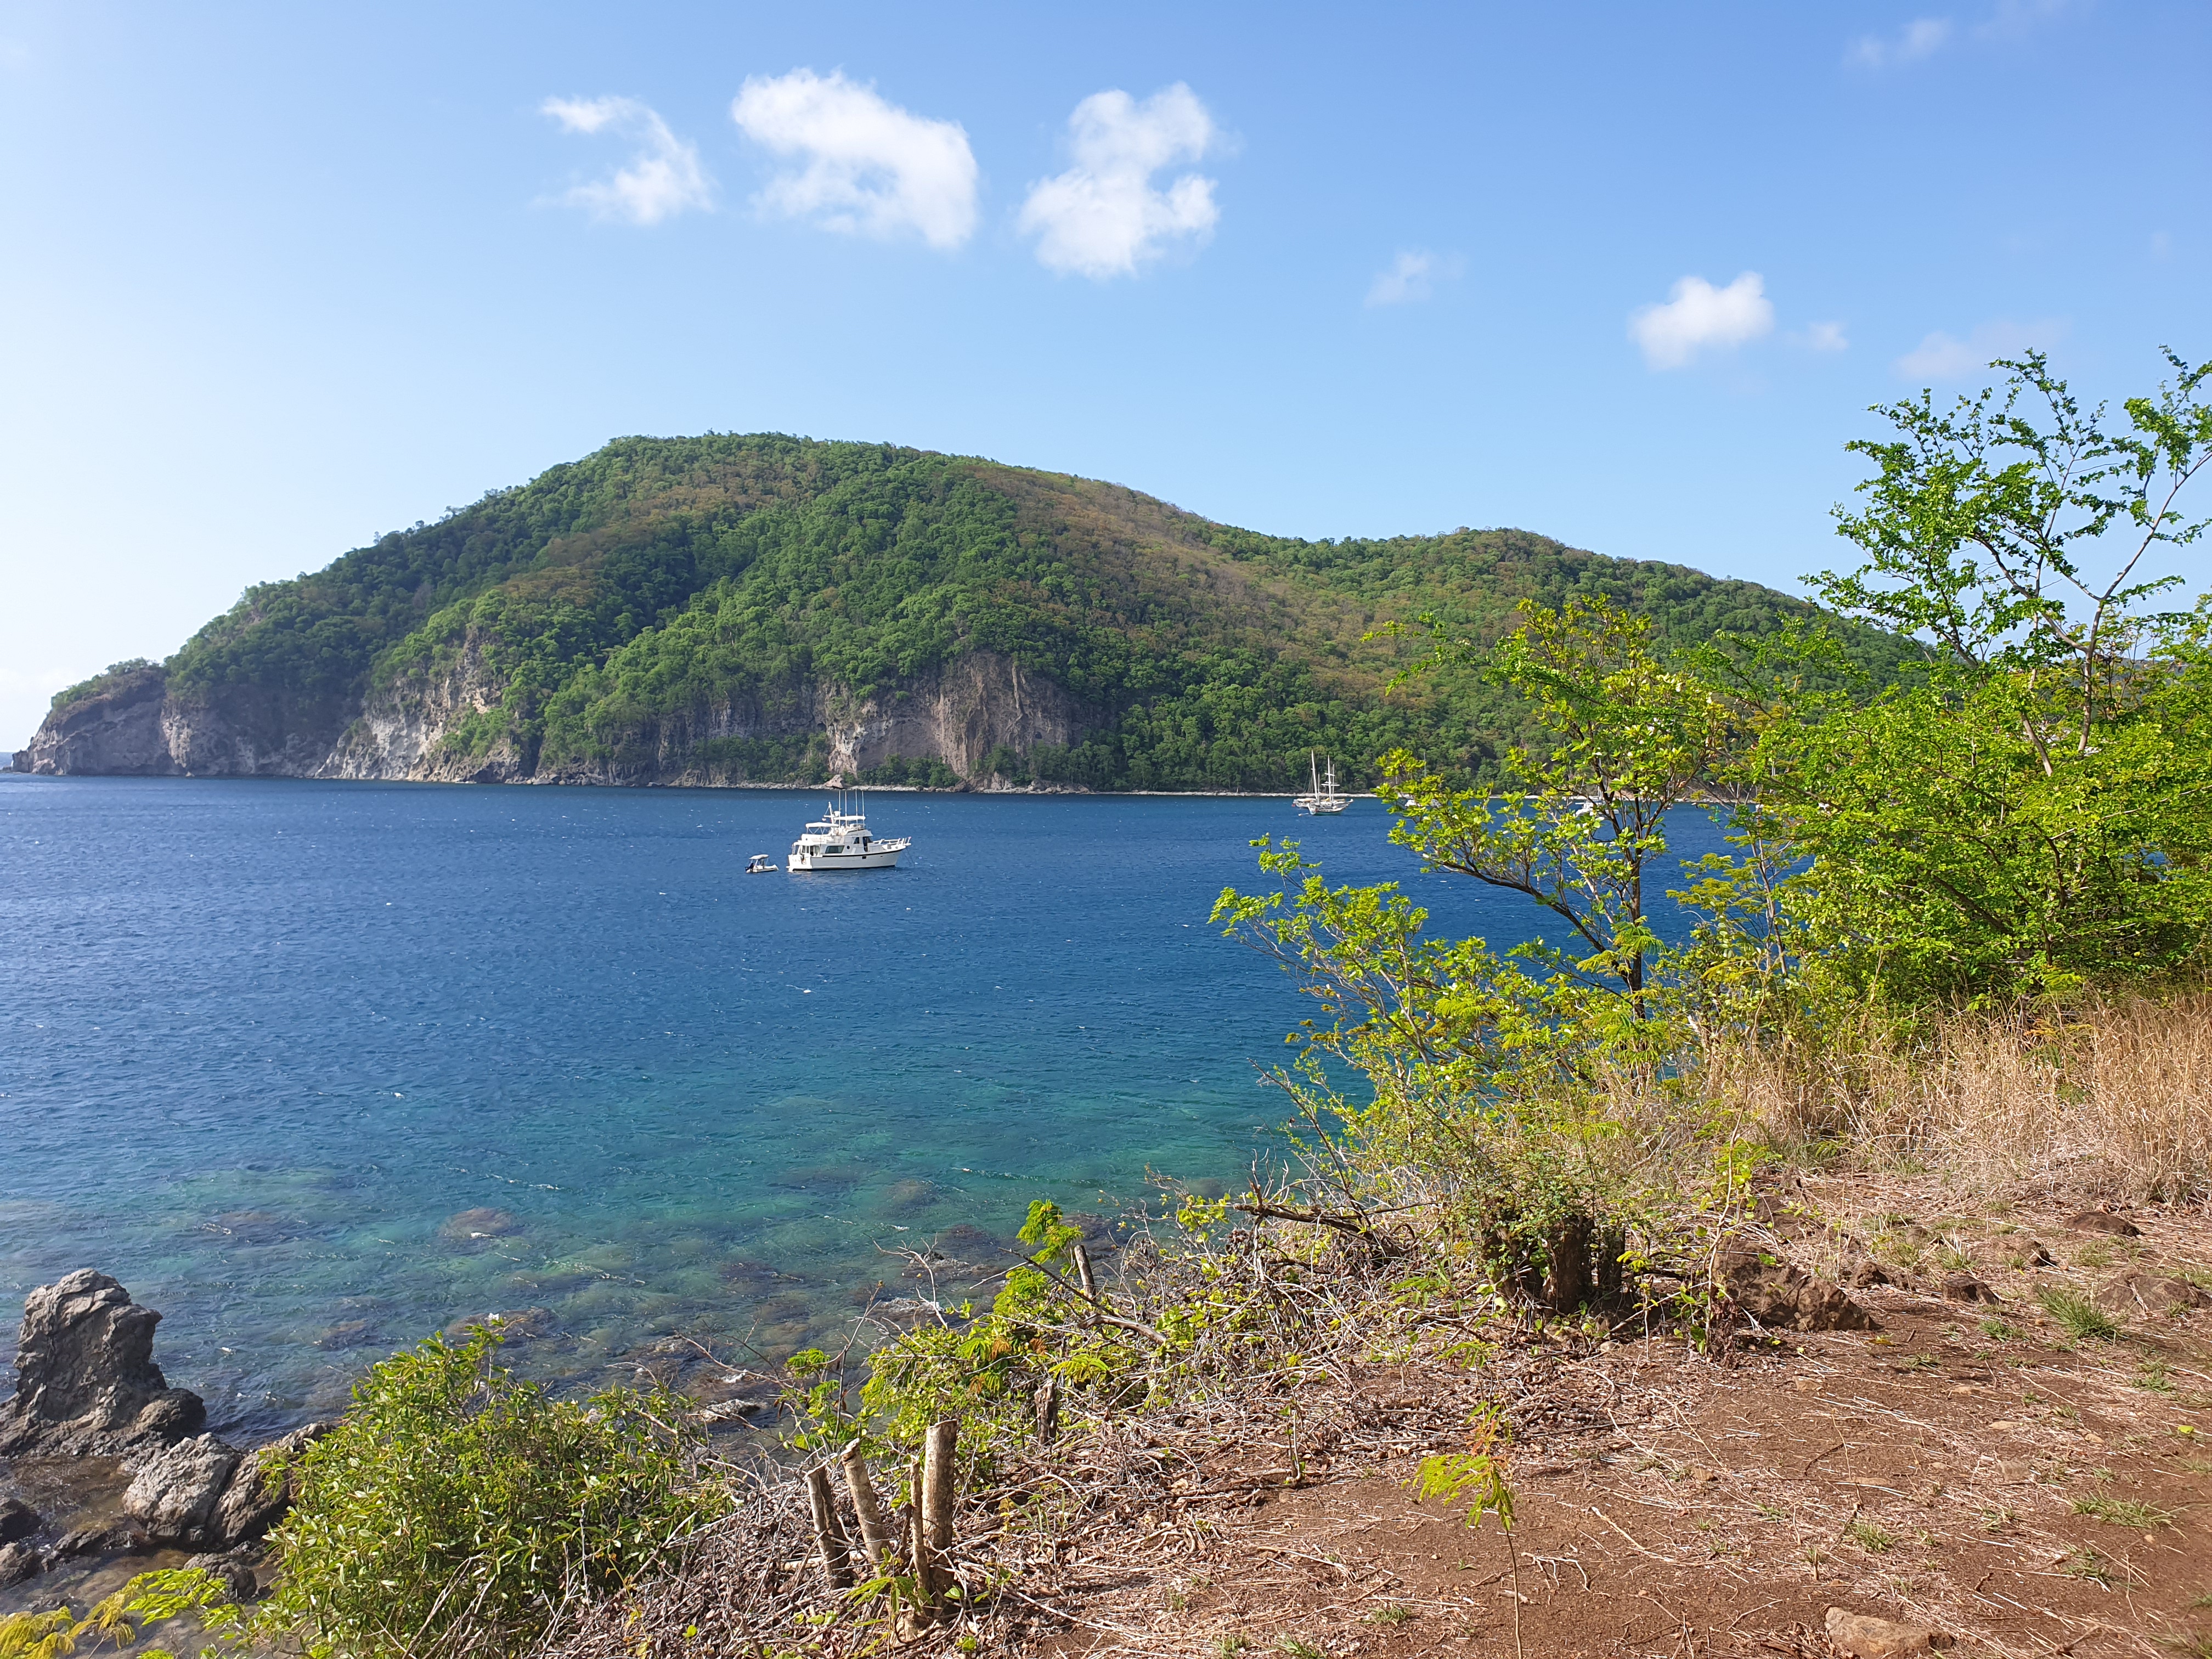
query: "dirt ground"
1971, 1466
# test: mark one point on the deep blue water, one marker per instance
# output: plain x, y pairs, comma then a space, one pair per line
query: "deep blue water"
259, 1042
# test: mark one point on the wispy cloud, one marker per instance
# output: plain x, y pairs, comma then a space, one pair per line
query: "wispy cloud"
663, 177
1942, 357
1413, 276
1821, 336
864, 166
1103, 217
1921, 38
1698, 317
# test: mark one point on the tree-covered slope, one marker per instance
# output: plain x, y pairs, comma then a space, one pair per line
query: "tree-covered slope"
762, 608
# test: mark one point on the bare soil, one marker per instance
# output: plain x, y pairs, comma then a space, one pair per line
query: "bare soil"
1970, 1466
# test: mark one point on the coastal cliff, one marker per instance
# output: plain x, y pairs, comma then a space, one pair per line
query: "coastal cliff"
768, 610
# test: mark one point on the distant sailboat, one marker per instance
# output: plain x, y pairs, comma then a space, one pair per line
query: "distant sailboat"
1324, 802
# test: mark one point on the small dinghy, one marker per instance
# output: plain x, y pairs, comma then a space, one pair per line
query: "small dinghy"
761, 866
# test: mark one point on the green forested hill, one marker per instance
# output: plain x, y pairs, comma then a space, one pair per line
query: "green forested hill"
632, 613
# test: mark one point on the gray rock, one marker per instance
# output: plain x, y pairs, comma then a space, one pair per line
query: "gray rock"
261, 1489
19, 1562
244, 1583
17, 1520
85, 1380
174, 1493
115, 1538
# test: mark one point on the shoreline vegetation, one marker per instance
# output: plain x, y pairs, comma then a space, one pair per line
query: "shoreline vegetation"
1832, 1281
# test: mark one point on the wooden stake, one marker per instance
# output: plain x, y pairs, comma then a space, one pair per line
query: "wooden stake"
875, 1526
1046, 1401
829, 1530
939, 1475
1083, 1273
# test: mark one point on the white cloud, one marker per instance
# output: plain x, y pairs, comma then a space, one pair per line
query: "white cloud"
1699, 317
1923, 37
865, 166
1413, 277
663, 179
1940, 357
1102, 217
1823, 336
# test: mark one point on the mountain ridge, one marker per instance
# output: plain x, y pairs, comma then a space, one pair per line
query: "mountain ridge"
761, 609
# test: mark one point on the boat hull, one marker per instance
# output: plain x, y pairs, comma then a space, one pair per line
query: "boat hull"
803, 862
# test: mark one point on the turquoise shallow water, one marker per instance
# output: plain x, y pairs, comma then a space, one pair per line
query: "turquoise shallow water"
260, 1042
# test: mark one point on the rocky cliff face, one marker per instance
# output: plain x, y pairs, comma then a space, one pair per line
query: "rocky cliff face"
140, 726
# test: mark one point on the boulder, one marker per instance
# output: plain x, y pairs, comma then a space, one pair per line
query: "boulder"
2102, 1221
2149, 1294
260, 1489
17, 1520
1865, 1637
85, 1380
244, 1584
19, 1562
174, 1492
1964, 1287
1783, 1297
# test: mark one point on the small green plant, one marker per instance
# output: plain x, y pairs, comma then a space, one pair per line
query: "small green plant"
2130, 1512
1771, 1512
1391, 1614
1999, 1330
1299, 1649
2087, 1563
1869, 1534
2081, 1318
1997, 1520
1232, 1644
2098, 1254
1918, 1362
1477, 1478
2152, 1375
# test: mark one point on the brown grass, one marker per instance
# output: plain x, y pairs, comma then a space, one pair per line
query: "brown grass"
2111, 1099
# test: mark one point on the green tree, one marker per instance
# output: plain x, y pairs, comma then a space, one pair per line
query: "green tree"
2032, 810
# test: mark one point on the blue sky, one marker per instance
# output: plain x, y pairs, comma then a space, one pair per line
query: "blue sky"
279, 278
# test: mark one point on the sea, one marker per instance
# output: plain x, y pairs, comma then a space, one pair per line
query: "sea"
319, 1068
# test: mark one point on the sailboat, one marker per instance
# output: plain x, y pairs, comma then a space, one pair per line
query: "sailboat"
1324, 800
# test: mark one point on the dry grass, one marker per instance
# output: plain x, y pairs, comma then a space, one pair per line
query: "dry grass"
2111, 1099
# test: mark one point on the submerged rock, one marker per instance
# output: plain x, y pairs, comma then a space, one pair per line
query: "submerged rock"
471, 1226
85, 1380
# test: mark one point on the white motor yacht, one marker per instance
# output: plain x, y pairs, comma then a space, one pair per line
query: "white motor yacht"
839, 840
1324, 802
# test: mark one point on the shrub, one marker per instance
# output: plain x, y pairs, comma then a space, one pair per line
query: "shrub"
453, 1497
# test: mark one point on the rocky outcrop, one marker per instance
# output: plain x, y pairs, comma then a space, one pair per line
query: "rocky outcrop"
87, 1384
141, 725
85, 1380
114, 732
